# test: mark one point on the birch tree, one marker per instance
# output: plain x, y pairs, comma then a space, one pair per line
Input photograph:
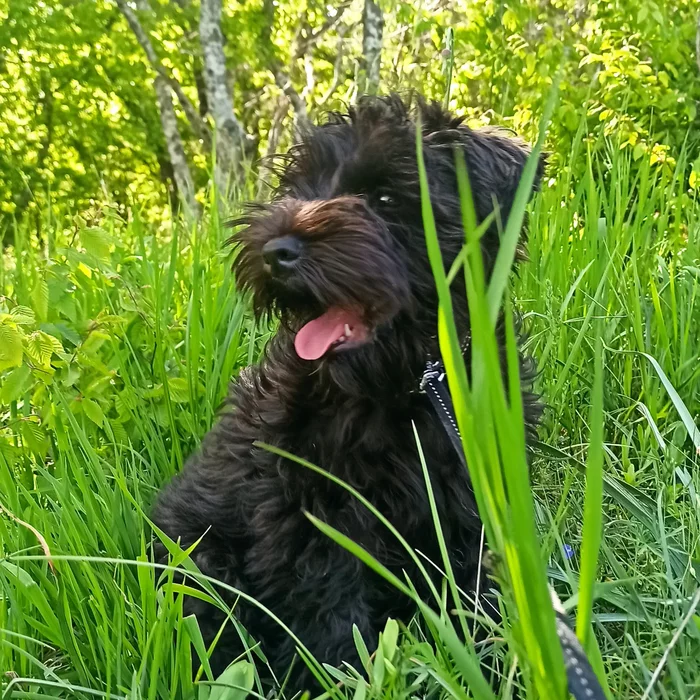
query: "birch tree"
199, 126
176, 150
164, 85
229, 134
373, 31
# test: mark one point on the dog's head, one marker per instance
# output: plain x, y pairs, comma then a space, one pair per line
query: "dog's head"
340, 252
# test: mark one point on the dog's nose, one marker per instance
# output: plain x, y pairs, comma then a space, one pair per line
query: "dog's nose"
282, 254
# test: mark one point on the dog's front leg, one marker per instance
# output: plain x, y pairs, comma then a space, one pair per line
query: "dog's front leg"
327, 592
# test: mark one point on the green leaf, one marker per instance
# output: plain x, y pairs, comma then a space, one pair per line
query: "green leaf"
22, 316
93, 411
41, 346
390, 638
34, 437
36, 596
179, 390
97, 242
93, 342
236, 682
379, 667
362, 650
8, 451
10, 347
385, 653
683, 412
14, 384
40, 299
20, 574
361, 690
510, 20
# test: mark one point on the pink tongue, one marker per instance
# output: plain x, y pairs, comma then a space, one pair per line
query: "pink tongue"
313, 339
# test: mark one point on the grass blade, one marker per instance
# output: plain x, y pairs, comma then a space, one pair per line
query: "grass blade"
593, 509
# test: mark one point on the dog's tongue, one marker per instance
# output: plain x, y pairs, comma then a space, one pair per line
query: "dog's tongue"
313, 339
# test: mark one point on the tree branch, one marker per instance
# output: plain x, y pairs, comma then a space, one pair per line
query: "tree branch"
337, 64
273, 139
282, 77
284, 83
199, 126
310, 41
176, 151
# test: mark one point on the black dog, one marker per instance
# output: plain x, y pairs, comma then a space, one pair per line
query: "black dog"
340, 256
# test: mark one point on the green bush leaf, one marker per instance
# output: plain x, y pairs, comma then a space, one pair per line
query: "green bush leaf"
40, 299
42, 346
97, 242
34, 437
14, 384
236, 682
93, 411
22, 316
10, 347
179, 391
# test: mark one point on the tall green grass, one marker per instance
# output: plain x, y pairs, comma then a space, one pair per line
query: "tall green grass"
150, 332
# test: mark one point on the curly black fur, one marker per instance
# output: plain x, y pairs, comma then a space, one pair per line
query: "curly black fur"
349, 192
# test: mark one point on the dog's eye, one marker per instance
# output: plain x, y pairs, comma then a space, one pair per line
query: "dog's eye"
386, 199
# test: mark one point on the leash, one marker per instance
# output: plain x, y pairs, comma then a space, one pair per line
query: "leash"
582, 681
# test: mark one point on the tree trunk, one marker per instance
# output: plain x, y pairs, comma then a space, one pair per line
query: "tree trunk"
198, 124
373, 30
284, 83
230, 135
201, 92
176, 151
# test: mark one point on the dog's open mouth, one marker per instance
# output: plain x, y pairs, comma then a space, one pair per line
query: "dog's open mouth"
336, 329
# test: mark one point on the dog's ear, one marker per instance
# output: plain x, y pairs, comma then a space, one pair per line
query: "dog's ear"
495, 160
495, 163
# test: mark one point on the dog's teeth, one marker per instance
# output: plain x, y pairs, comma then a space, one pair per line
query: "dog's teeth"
348, 330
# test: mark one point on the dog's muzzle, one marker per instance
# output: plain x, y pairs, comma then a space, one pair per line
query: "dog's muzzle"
282, 255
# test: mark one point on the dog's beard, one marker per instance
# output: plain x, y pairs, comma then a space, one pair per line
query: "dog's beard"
389, 366
388, 362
